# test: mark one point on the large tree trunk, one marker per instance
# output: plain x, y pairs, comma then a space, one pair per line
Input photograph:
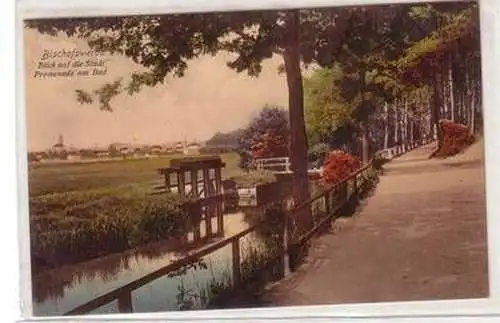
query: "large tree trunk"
431, 125
412, 129
435, 109
472, 88
298, 145
396, 123
467, 95
472, 113
450, 86
386, 125
445, 109
405, 125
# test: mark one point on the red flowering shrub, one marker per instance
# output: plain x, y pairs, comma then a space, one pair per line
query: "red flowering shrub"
270, 144
456, 137
338, 166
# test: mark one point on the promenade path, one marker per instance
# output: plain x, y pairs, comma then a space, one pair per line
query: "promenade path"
420, 236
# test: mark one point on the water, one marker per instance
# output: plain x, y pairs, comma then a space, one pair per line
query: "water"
60, 290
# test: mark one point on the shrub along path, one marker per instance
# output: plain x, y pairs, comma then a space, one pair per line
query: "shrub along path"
420, 236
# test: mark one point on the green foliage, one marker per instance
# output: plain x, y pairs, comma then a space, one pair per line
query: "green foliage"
318, 152
116, 176
72, 231
376, 64
456, 28
225, 140
367, 56
325, 109
164, 44
82, 210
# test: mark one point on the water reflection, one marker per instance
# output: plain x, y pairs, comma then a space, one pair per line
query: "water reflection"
59, 290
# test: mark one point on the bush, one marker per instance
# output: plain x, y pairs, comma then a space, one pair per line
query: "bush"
456, 137
318, 152
338, 166
102, 226
267, 135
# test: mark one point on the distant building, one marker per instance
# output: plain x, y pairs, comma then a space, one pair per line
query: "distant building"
101, 152
192, 149
73, 153
126, 150
74, 156
58, 148
169, 149
179, 147
156, 149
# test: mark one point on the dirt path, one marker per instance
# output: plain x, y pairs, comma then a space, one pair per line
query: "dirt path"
420, 236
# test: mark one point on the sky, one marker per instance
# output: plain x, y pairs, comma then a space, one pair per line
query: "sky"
209, 98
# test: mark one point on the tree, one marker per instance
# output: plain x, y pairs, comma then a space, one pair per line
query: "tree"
419, 40
372, 43
165, 43
223, 142
453, 41
267, 135
368, 78
325, 108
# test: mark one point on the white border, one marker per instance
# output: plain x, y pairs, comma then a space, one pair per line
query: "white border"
9, 296
398, 312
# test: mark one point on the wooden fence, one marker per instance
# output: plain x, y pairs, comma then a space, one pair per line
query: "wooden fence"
276, 164
324, 208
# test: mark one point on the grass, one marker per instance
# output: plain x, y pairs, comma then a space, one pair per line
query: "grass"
63, 232
68, 177
79, 211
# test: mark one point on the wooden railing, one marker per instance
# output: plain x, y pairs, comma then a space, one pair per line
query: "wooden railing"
123, 294
276, 164
398, 150
324, 208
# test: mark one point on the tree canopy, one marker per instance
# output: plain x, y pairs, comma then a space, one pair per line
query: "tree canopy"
369, 57
165, 44
267, 135
395, 55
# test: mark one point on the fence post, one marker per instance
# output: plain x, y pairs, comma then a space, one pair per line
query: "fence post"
236, 262
355, 184
125, 303
167, 182
327, 202
181, 183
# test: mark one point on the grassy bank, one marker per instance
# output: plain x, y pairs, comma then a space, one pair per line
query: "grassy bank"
80, 211
68, 228
67, 177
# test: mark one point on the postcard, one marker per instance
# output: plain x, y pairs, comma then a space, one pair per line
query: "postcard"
242, 159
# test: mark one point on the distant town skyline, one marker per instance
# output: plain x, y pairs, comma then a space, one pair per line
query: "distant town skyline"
210, 98
62, 142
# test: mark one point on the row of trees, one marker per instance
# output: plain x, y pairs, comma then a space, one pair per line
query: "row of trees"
401, 70
393, 56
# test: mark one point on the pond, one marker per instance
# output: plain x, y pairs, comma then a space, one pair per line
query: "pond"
59, 290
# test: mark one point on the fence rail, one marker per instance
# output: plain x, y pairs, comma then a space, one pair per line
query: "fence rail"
324, 208
278, 164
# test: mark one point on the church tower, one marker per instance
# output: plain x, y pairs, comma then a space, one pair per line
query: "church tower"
60, 141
